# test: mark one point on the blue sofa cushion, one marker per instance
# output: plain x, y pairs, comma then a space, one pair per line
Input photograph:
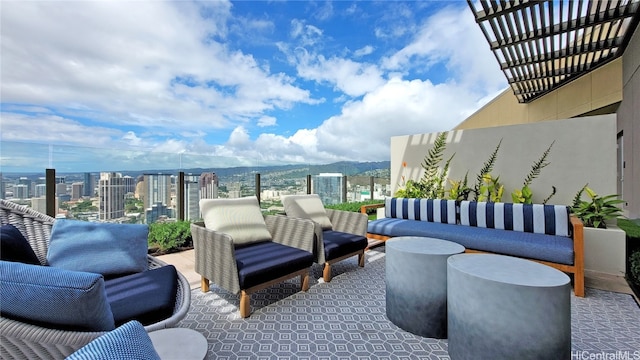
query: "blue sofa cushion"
103, 248
127, 342
533, 218
54, 298
14, 247
337, 243
261, 262
558, 249
432, 210
148, 297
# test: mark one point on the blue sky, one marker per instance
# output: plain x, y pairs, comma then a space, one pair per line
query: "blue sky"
165, 83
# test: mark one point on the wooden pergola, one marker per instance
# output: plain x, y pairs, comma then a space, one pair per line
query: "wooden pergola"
541, 45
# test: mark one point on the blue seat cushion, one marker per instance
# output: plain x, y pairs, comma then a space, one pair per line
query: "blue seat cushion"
54, 298
337, 243
265, 261
148, 297
129, 341
14, 247
557, 249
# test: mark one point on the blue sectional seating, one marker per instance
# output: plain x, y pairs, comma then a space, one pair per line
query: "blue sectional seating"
544, 233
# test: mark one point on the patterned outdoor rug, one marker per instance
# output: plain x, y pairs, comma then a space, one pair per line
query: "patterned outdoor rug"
345, 319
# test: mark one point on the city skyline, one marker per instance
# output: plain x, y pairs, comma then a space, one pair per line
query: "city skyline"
100, 83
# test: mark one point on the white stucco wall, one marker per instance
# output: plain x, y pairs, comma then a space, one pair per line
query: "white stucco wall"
584, 152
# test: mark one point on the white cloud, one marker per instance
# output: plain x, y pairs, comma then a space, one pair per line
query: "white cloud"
366, 50
265, 121
153, 64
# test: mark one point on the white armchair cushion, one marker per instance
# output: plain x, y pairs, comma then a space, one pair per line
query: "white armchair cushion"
241, 218
307, 207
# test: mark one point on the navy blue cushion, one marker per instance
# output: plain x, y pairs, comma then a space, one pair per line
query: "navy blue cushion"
14, 247
54, 298
337, 243
128, 342
558, 249
147, 297
261, 262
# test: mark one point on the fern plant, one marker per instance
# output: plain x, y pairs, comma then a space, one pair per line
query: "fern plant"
525, 195
487, 167
431, 185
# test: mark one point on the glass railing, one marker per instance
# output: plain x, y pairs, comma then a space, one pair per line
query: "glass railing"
132, 185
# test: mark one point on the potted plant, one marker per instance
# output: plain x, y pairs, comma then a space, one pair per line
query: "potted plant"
604, 242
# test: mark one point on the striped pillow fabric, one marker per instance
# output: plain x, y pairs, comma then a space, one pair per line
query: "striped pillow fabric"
533, 218
431, 210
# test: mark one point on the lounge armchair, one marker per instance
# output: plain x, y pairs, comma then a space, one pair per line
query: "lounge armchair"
243, 252
24, 340
339, 234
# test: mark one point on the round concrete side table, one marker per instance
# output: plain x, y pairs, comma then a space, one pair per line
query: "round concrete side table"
502, 307
416, 284
179, 343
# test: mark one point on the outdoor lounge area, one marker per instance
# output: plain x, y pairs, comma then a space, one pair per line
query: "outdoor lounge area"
346, 319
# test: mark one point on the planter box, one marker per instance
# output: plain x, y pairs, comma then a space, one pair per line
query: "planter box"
605, 250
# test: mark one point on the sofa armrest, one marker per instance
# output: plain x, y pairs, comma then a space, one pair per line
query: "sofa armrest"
348, 221
294, 232
578, 250
215, 257
364, 208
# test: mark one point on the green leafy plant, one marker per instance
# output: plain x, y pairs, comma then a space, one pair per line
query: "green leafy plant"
491, 190
487, 167
459, 189
597, 210
634, 264
525, 195
431, 185
169, 236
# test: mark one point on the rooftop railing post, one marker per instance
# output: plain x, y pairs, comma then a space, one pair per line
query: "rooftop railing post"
308, 184
181, 191
344, 189
258, 187
50, 192
371, 187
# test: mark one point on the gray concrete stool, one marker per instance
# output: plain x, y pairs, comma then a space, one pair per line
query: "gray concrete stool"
502, 307
416, 283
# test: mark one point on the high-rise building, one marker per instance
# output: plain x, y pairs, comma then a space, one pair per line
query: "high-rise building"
24, 191
21, 191
157, 211
129, 184
111, 196
192, 197
157, 190
41, 190
61, 189
329, 187
89, 185
77, 189
209, 186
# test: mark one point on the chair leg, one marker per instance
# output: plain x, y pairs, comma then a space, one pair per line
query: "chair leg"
326, 274
304, 280
245, 306
204, 284
361, 259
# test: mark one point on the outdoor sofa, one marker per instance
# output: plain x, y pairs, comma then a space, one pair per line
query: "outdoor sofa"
548, 234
